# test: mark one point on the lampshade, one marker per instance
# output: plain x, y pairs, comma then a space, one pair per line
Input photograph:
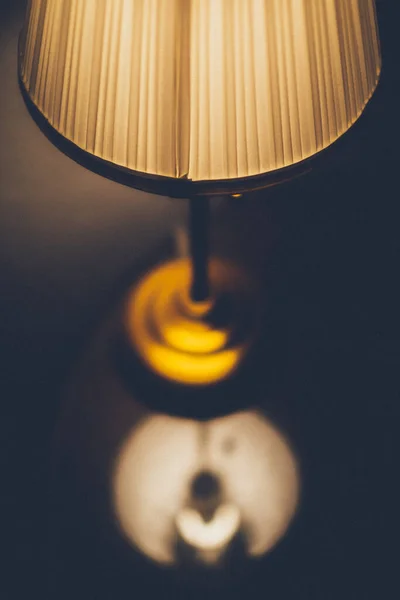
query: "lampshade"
200, 90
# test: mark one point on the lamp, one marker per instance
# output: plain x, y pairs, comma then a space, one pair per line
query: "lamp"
194, 99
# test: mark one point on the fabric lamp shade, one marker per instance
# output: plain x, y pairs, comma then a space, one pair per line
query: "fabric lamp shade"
200, 90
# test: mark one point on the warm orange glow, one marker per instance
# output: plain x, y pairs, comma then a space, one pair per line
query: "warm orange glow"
256, 468
183, 344
208, 89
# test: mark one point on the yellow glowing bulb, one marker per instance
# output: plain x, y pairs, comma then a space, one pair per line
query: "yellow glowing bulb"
179, 340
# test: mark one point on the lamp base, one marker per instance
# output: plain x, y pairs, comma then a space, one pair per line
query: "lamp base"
192, 343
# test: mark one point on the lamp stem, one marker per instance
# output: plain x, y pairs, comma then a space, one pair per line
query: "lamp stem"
199, 218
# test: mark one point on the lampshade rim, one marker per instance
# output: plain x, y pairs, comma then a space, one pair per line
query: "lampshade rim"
177, 187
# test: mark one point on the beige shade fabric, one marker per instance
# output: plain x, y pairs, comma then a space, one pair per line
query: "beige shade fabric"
201, 89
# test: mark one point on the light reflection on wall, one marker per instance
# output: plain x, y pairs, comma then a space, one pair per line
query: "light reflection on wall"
251, 462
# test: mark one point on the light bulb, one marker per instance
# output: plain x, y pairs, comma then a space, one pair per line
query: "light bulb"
254, 464
211, 535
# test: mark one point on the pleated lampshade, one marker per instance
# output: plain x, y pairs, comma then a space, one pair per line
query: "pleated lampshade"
200, 90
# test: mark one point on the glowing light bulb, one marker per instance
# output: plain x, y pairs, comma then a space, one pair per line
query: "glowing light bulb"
253, 462
212, 535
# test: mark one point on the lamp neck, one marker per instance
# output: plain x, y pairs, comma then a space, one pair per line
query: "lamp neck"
199, 219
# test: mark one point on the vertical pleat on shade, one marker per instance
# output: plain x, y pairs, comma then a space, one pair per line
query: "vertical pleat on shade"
203, 89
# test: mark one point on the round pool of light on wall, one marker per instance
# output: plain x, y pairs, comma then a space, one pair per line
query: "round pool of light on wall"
183, 486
